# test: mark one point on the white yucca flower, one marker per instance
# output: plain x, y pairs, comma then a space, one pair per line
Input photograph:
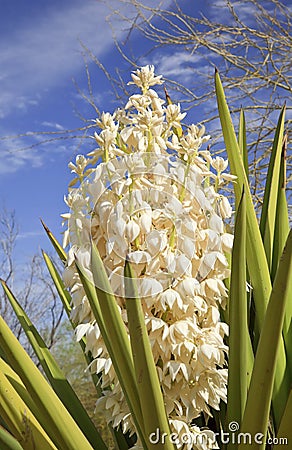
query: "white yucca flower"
154, 199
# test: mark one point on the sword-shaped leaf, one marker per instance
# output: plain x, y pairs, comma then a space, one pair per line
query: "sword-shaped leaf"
90, 292
112, 327
240, 361
269, 208
256, 415
256, 257
8, 442
242, 141
151, 398
54, 374
21, 421
64, 295
255, 252
59, 249
66, 300
284, 435
60, 425
282, 216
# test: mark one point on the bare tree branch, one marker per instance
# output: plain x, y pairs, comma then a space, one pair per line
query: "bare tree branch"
31, 286
250, 43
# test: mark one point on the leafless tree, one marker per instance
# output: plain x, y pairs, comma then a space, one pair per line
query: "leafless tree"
31, 286
249, 41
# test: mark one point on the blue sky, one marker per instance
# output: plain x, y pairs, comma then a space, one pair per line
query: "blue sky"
40, 55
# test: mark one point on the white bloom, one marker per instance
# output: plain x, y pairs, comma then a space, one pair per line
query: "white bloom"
156, 241
174, 116
219, 164
225, 207
227, 242
146, 222
153, 208
132, 230
144, 78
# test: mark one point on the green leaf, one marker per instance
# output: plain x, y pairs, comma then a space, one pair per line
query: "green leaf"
281, 232
113, 330
268, 215
8, 442
20, 419
256, 415
151, 398
66, 300
59, 249
21, 390
256, 257
239, 365
90, 292
64, 295
285, 429
255, 253
282, 217
242, 141
59, 424
55, 375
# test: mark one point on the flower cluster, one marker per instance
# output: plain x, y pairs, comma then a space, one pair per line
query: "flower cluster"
149, 192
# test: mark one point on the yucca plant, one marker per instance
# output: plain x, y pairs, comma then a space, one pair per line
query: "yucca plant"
157, 347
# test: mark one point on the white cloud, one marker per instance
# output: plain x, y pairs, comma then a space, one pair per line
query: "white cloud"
38, 56
31, 150
178, 64
12, 159
55, 126
245, 9
30, 234
47, 52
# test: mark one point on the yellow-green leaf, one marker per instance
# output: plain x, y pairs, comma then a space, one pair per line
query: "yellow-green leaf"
20, 420
7, 441
55, 375
151, 398
60, 426
256, 257
112, 327
284, 435
242, 141
282, 217
239, 362
269, 208
59, 249
64, 295
258, 267
256, 415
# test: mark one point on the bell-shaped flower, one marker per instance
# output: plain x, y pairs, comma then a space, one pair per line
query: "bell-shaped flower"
157, 210
132, 231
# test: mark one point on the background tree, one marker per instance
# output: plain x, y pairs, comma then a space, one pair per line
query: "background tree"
33, 288
249, 41
35, 291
